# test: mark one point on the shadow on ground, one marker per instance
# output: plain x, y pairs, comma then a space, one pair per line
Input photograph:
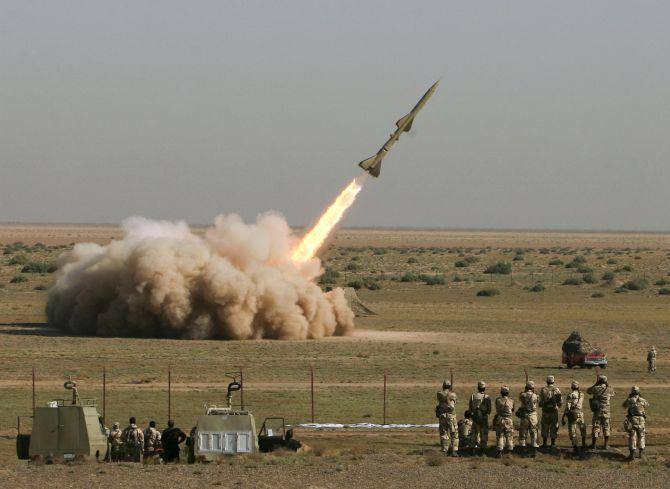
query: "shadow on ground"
30, 329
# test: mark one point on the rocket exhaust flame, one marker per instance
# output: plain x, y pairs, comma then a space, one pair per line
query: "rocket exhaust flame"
315, 237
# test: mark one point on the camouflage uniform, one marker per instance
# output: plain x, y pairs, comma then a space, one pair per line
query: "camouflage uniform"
635, 421
528, 415
152, 441
601, 393
480, 407
446, 413
550, 402
573, 411
465, 432
651, 360
133, 442
115, 443
503, 423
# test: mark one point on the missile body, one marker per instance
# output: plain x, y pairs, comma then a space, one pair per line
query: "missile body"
373, 164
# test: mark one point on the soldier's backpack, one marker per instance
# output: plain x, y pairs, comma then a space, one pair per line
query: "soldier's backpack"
476, 402
132, 438
636, 410
550, 401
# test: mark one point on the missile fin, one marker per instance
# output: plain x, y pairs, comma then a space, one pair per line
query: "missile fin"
404, 120
372, 165
366, 164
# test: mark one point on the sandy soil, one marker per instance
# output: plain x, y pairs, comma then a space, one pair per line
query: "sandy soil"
363, 471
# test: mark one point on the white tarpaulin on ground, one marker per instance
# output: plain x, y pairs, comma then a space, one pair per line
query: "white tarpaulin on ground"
366, 425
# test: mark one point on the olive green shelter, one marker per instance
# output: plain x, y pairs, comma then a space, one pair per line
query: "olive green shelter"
67, 429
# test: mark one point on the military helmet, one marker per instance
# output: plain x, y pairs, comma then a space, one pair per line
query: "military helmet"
481, 385
446, 384
504, 390
550, 379
602, 379
116, 425
530, 385
635, 390
574, 385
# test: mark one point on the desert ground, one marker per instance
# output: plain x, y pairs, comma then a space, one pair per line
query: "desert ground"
423, 285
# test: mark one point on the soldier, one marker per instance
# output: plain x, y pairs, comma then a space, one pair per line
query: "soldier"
601, 393
446, 413
575, 415
635, 421
550, 402
172, 437
133, 442
528, 414
651, 359
503, 423
115, 442
152, 441
480, 407
465, 432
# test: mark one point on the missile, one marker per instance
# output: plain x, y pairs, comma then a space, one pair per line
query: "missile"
373, 164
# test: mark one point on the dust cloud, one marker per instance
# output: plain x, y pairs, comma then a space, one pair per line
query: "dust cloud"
161, 280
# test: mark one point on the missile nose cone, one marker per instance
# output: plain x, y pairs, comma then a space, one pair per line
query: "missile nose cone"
434, 87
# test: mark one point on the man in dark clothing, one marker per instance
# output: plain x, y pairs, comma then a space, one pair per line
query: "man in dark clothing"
171, 439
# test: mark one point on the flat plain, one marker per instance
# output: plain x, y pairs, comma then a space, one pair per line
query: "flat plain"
423, 285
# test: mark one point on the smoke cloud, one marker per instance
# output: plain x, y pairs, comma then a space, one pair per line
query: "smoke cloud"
161, 280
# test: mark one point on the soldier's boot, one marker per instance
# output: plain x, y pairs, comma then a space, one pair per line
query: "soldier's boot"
606, 446
553, 443
575, 450
454, 453
641, 454
544, 442
593, 443
583, 446
533, 452
631, 455
498, 453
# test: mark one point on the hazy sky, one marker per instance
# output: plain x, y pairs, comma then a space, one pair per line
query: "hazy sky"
550, 114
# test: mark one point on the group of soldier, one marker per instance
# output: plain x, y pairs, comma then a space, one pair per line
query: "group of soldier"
132, 444
473, 429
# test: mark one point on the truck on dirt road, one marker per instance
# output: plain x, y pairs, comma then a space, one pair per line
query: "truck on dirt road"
579, 352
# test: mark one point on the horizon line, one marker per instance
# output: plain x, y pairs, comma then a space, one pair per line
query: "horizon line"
381, 228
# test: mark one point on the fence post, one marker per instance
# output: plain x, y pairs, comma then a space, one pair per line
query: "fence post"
104, 394
169, 392
385, 376
311, 381
33, 390
241, 389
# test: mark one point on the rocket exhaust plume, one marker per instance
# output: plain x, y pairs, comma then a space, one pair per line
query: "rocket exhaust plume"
238, 281
315, 237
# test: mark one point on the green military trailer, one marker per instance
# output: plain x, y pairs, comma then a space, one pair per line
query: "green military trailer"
65, 429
